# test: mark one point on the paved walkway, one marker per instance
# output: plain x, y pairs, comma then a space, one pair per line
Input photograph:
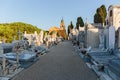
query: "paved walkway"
59, 64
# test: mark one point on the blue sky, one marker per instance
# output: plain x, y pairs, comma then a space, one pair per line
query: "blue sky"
47, 13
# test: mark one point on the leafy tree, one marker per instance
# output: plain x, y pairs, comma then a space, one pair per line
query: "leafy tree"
70, 27
9, 30
104, 10
100, 15
79, 22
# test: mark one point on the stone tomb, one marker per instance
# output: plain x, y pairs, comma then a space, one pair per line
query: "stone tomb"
93, 38
111, 37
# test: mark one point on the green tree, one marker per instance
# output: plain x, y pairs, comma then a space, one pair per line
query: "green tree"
100, 15
9, 30
79, 22
70, 27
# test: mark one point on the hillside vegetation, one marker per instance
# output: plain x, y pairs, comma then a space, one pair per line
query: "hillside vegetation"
10, 30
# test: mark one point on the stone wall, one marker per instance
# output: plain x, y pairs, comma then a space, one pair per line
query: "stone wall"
114, 16
93, 38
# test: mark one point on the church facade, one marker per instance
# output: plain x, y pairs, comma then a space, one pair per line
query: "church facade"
61, 31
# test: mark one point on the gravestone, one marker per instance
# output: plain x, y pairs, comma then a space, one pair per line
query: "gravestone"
70, 36
41, 36
111, 37
32, 41
75, 33
36, 38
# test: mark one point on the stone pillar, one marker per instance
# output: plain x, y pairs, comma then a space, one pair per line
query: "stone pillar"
101, 38
4, 64
17, 58
111, 37
106, 32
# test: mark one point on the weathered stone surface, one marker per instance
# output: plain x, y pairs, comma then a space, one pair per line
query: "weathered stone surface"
114, 66
101, 38
93, 38
106, 32
111, 37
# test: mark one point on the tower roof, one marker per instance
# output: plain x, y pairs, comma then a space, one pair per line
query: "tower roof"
62, 24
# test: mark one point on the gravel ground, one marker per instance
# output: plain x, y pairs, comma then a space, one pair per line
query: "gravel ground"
61, 63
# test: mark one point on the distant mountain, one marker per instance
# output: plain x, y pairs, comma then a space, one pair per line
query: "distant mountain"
10, 30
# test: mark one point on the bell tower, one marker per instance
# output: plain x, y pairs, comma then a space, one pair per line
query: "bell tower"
62, 24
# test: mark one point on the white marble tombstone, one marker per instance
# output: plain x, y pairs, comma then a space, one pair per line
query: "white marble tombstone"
36, 38
41, 36
111, 37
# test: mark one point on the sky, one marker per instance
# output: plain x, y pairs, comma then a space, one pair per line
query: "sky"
48, 13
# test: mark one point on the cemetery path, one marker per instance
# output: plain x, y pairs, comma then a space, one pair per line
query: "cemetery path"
59, 64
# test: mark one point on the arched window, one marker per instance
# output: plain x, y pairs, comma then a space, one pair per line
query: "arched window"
111, 13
